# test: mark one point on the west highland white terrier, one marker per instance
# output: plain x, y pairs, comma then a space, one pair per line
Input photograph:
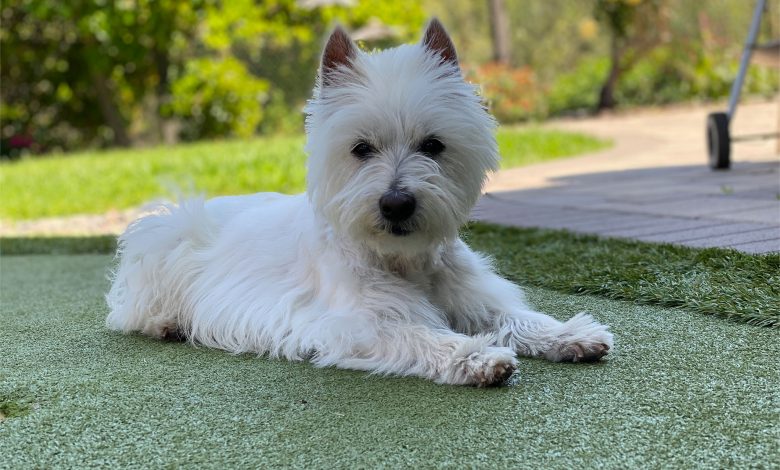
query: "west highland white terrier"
365, 270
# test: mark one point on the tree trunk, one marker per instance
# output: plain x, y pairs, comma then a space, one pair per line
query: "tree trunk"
109, 109
161, 63
168, 129
499, 29
607, 92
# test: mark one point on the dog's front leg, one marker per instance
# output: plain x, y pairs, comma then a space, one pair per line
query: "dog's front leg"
478, 300
439, 355
394, 331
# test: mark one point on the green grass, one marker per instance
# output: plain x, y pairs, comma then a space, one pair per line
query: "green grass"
524, 147
680, 390
103, 244
713, 281
95, 182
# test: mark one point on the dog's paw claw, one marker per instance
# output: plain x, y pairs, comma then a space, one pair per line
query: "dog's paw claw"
501, 374
581, 352
581, 339
488, 368
495, 377
173, 334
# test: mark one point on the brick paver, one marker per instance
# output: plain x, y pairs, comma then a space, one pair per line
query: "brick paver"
653, 185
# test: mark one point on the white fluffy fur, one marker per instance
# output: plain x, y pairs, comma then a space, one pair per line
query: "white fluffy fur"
318, 276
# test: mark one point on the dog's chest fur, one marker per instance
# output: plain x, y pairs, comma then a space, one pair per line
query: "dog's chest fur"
434, 274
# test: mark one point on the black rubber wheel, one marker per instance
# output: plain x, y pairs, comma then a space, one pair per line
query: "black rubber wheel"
718, 141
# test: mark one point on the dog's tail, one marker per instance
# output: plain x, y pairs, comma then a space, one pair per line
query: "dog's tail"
158, 258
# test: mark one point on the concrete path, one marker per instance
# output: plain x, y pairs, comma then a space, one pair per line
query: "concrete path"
653, 185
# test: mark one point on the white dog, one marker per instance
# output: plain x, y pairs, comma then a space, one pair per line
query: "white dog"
365, 270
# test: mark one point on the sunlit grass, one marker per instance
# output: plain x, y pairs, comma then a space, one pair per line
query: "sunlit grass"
97, 181
521, 147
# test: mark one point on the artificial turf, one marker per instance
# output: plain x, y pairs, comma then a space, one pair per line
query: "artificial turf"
680, 390
713, 281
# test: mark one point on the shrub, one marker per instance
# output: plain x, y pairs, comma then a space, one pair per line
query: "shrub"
578, 90
671, 74
511, 94
218, 98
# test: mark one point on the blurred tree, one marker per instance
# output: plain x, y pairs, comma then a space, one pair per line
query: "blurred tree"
75, 72
499, 29
673, 50
108, 72
635, 27
280, 41
115, 72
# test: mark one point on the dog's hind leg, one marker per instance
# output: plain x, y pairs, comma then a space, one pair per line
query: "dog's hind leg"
159, 257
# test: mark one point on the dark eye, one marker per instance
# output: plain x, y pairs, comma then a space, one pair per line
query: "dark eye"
362, 150
431, 147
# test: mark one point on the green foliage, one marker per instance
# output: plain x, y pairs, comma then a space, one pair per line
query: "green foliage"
95, 182
575, 90
665, 75
96, 73
669, 74
619, 15
280, 41
75, 73
218, 98
673, 50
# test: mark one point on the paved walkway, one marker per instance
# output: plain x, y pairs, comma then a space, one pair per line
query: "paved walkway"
653, 185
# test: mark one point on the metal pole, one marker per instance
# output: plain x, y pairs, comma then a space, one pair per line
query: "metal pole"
736, 88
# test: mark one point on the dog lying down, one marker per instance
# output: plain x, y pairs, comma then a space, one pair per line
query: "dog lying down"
365, 270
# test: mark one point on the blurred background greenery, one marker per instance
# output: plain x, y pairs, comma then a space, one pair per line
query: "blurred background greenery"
92, 74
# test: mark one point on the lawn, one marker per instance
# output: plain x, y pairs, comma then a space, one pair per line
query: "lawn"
680, 390
95, 182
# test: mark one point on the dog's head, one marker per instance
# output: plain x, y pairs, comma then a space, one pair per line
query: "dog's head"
399, 143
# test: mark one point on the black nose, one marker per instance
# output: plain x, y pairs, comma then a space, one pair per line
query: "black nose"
397, 206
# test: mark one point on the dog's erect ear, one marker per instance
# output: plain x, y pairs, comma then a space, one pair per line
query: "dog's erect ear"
339, 51
436, 39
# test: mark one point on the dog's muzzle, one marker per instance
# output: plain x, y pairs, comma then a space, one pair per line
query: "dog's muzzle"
396, 207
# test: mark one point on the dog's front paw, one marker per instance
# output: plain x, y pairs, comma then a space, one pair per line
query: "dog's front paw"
578, 352
487, 367
581, 339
